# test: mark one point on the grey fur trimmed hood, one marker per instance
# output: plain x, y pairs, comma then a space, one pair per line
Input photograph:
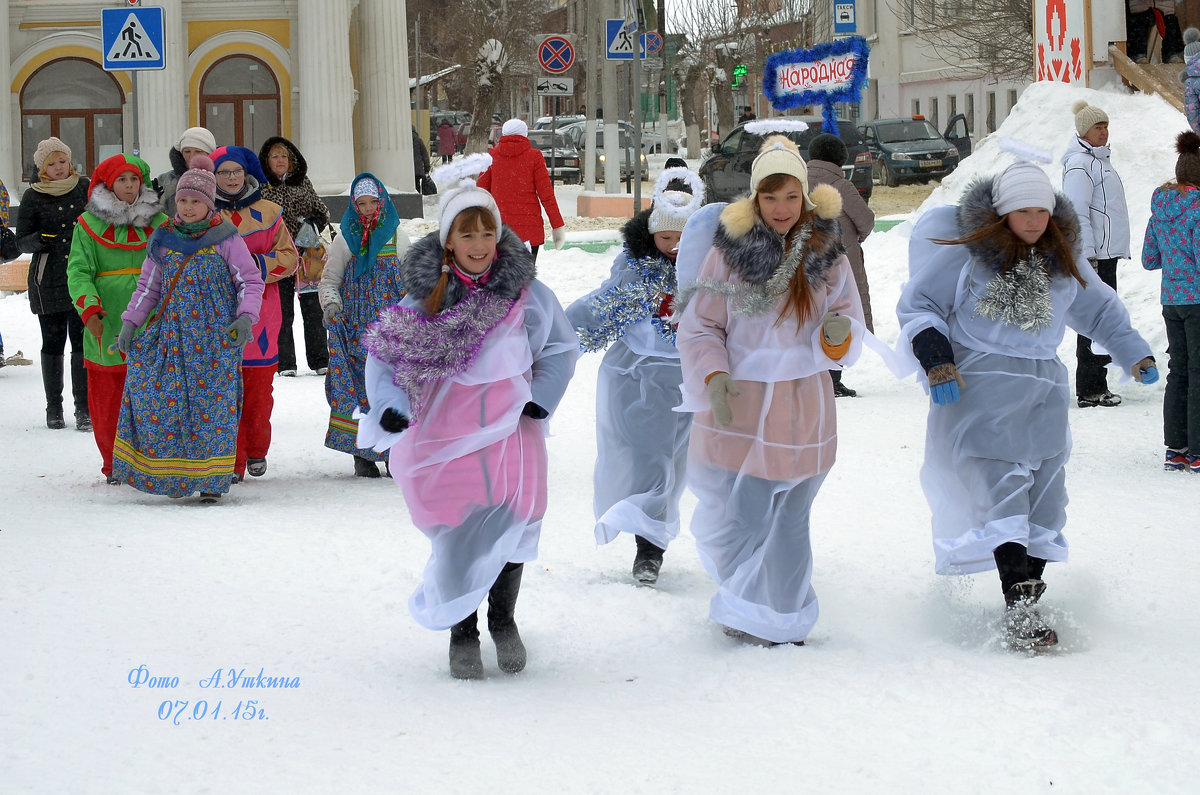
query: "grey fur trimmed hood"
512, 271
754, 250
976, 211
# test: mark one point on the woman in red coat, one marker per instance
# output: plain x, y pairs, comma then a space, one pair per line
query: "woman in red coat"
447, 141
521, 185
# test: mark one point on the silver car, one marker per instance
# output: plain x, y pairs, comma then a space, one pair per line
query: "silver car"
575, 134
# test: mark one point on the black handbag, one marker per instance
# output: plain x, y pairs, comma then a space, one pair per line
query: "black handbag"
428, 186
9, 250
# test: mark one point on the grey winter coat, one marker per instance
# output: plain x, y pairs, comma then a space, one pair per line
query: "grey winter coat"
41, 213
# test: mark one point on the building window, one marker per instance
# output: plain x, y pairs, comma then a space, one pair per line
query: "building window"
951, 106
77, 101
970, 99
916, 107
239, 101
1012, 99
991, 112
933, 111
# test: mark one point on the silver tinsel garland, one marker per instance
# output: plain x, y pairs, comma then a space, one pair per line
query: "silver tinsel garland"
620, 307
1020, 297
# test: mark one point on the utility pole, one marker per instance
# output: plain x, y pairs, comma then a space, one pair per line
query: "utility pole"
417, 71
662, 82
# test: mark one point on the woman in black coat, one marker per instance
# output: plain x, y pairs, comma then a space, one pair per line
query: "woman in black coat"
45, 221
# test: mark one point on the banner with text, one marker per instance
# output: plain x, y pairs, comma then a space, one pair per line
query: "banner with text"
826, 74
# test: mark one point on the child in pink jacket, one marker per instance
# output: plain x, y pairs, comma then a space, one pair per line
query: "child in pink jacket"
774, 308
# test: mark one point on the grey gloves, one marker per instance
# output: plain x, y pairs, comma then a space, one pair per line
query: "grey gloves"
239, 330
836, 328
125, 338
331, 312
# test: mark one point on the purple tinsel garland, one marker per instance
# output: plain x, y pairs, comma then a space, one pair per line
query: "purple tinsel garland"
423, 349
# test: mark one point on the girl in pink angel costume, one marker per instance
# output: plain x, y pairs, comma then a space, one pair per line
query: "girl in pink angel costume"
461, 376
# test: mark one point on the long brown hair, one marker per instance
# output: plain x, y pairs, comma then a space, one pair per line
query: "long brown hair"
997, 235
479, 219
799, 295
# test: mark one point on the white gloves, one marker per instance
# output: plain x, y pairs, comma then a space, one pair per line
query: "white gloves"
560, 236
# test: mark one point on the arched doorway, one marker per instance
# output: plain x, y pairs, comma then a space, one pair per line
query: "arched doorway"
239, 101
77, 101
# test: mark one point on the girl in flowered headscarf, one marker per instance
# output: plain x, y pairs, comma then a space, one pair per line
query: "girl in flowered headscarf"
361, 278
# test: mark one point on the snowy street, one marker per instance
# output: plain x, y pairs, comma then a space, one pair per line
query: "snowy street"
305, 574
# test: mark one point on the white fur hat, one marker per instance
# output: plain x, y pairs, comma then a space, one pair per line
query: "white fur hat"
780, 155
462, 192
515, 127
672, 208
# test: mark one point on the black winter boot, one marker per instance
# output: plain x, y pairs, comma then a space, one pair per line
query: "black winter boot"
83, 420
840, 389
502, 604
647, 562
1023, 625
465, 660
52, 382
365, 468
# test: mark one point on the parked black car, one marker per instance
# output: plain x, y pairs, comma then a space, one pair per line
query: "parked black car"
726, 173
910, 149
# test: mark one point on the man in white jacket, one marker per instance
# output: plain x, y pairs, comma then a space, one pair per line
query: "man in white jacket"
1095, 189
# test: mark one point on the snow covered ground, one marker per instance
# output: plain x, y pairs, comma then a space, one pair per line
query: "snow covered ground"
305, 574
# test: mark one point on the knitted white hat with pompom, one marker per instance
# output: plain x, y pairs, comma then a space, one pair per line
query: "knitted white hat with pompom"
780, 155
461, 191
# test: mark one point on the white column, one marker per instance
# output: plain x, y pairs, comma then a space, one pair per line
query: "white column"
326, 132
383, 76
10, 160
162, 98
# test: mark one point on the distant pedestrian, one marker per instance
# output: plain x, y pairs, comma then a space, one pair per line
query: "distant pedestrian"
447, 140
1094, 188
194, 141
826, 156
45, 224
521, 184
1170, 245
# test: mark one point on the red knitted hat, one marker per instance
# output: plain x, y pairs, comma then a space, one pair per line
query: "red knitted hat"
113, 167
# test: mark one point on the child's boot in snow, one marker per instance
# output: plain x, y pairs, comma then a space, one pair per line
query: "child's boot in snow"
1023, 625
465, 660
502, 604
647, 562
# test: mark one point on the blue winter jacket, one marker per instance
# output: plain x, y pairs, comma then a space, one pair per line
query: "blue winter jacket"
1173, 243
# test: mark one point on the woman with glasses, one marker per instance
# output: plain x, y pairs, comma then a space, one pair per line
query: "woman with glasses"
260, 223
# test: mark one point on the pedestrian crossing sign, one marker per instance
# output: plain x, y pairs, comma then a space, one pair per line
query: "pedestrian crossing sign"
621, 42
132, 38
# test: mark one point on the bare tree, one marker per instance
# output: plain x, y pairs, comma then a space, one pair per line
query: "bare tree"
484, 36
722, 35
990, 37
